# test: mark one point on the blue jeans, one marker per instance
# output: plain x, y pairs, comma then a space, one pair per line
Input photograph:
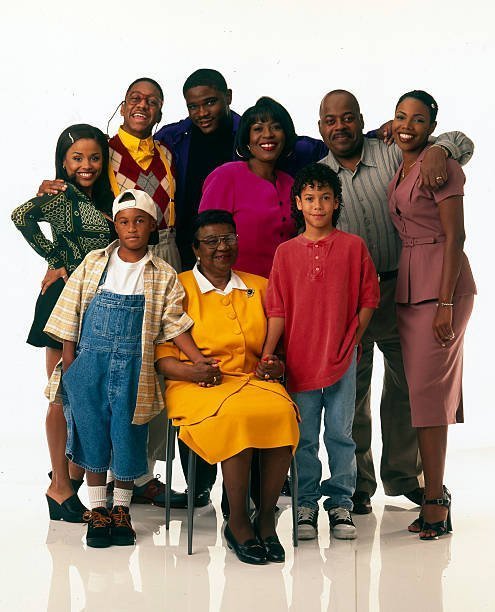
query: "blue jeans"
101, 389
337, 404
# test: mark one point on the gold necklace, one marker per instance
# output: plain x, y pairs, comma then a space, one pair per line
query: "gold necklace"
403, 173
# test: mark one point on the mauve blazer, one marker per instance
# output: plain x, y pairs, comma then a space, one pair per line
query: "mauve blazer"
414, 212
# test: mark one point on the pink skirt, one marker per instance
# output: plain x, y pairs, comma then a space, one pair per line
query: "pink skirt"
433, 372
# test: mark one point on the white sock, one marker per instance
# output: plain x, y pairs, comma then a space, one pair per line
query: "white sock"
97, 497
122, 497
142, 480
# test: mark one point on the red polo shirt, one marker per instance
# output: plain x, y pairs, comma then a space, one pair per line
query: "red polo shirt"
319, 288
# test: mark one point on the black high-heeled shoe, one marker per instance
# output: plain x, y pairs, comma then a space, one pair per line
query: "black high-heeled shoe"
76, 484
274, 550
439, 528
71, 510
249, 552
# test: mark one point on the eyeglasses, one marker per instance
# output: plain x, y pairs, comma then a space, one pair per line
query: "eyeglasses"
213, 242
136, 98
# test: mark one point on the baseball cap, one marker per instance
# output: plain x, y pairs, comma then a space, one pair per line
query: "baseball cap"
135, 198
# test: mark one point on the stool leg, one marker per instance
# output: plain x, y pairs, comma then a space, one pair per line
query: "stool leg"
171, 430
191, 481
293, 488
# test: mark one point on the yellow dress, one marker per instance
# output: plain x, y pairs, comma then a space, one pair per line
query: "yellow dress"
243, 411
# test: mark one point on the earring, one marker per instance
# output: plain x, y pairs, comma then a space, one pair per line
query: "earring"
198, 260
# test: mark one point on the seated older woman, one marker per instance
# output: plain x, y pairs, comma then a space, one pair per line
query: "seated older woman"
227, 410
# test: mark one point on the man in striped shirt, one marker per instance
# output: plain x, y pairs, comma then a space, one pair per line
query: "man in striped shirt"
365, 167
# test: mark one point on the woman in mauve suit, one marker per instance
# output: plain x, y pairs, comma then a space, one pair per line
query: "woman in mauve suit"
435, 293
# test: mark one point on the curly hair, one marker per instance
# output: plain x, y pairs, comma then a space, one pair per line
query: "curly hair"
315, 175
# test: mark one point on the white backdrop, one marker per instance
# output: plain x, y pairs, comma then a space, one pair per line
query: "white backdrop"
64, 65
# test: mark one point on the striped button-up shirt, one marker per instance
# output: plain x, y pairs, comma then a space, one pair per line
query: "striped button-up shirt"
163, 320
364, 194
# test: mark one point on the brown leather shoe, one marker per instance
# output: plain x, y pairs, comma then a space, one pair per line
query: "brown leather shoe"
153, 492
362, 503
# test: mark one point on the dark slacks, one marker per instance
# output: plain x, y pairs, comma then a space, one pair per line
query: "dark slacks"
400, 468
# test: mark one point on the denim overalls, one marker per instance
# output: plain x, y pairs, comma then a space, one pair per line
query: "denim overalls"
101, 388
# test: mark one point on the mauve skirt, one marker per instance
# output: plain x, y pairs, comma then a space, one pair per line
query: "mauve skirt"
433, 372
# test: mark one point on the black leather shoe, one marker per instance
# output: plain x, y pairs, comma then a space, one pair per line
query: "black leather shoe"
99, 524
274, 550
71, 510
362, 503
122, 532
250, 552
201, 499
416, 495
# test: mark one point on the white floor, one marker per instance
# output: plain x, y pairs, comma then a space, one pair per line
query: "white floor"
47, 566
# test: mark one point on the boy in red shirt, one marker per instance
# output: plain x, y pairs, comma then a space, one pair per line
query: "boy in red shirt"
322, 291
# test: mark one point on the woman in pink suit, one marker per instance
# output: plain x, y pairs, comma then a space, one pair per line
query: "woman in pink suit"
435, 293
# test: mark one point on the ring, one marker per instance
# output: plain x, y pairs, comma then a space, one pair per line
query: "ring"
214, 379
439, 178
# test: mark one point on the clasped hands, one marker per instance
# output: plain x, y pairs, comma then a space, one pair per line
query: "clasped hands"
207, 372
269, 368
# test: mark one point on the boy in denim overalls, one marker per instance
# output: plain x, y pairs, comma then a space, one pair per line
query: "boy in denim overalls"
117, 304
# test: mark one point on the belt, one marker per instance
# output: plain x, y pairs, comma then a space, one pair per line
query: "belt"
410, 242
385, 276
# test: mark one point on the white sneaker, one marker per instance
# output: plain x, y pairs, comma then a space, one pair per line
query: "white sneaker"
341, 524
307, 523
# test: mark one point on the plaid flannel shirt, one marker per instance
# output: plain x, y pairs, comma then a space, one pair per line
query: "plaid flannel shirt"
163, 320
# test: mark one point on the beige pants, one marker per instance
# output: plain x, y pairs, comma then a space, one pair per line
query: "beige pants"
167, 249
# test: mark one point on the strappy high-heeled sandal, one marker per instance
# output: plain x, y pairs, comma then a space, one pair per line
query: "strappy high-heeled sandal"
439, 528
417, 525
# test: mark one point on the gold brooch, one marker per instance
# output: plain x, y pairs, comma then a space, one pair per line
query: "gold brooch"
250, 293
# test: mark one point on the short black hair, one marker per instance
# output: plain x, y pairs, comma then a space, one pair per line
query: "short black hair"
423, 96
148, 80
265, 109
206, 77
102, 192
212, 216
315, 175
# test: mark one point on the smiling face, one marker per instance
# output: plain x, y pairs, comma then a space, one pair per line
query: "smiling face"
83, 163
133, 227
317, 204
266, 140
208, 107
216, 260
141, 109
341, 125
412, 125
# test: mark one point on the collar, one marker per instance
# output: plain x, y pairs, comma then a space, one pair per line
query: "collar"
367, 158
107, 251
205, 286
134, 144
